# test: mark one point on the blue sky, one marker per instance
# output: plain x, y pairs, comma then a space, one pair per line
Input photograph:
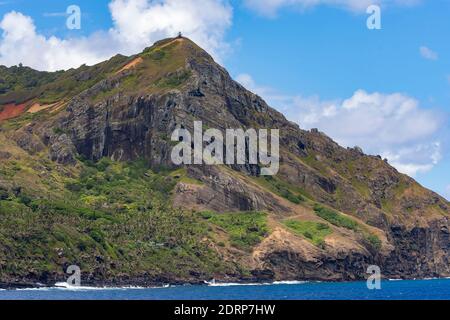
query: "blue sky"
386, 90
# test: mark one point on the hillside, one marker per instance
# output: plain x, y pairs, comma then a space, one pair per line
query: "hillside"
86, 178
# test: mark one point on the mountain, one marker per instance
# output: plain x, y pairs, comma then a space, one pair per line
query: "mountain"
86, 179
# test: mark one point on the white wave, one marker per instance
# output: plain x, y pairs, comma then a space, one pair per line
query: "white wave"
66, 287
232, 284
395, 279
213, 283
290, 282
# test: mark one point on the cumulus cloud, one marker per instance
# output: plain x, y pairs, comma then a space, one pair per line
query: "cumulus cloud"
271, 7
247, 81
428, 54
20, 43
394, 126
419, 158
136, 25
144, 21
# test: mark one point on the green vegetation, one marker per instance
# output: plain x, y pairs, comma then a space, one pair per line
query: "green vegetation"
161, 68
157, 54
373, 240
388, 203
335, 218
282, 188
21, 84
22, 81
245, 229
311, 161
339, 220
173, 80
313, 231
114, 217
58, 131
362, 188
127, 83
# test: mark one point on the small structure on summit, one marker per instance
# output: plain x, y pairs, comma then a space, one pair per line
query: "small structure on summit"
180, 35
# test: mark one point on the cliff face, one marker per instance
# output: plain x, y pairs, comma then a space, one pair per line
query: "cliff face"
329, 213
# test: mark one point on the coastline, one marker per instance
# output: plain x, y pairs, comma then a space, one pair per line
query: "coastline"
103, 286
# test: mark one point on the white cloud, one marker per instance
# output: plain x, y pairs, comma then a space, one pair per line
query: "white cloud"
415, 159
136, 25
247, 81
21, 43
427, 53
143, 21
394, 126
271, 7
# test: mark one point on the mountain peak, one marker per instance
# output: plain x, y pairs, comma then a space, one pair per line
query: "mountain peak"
24, 85
178, 46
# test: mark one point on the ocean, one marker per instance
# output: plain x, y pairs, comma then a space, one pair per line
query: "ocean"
433, 289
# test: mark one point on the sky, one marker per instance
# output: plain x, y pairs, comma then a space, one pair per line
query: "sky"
385, 90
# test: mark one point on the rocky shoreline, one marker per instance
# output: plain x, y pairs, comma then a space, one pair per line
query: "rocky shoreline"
149, 284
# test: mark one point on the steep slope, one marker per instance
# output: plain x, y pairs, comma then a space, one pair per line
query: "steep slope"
98, 139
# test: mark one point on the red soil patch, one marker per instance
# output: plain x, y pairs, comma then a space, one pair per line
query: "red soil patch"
132, 64
36, 107
9, 111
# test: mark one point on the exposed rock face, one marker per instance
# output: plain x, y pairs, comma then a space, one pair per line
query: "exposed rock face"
423, 251
128, 127
223, 192
412, 222
28, 141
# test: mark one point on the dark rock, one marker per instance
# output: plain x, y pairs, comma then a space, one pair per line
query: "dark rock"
5, 155
3, 193
62, 150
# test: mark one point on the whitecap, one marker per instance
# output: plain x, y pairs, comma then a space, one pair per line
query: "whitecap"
214, 283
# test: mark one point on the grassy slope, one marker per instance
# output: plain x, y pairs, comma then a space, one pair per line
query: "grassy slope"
162, 68
361, 172
109, 218
245, 229
314, 231
22, 84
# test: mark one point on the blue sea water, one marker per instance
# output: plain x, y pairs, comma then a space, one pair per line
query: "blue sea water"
390, 290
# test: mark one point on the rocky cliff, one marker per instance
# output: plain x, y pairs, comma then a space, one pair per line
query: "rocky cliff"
328, 214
